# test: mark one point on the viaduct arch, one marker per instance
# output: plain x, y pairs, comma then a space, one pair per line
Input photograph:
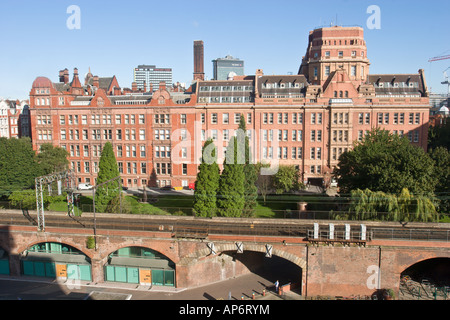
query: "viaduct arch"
329, 270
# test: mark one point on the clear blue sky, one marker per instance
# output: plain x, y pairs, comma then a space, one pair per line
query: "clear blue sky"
116, 36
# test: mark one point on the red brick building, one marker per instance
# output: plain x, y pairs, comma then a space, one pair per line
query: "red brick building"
306, 120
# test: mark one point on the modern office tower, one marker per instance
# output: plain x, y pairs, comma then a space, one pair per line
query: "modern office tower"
148, 77
224, 67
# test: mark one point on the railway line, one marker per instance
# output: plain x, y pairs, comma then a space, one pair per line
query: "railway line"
201, 228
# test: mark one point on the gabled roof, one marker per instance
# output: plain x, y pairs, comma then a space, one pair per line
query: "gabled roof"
376, 79
103, 82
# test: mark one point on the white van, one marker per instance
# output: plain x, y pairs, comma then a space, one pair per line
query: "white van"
84, 186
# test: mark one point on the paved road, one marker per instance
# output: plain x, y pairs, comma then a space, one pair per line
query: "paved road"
36, 289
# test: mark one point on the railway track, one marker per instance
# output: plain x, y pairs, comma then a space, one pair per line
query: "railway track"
201, 228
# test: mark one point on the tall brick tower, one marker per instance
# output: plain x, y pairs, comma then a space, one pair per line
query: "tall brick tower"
336, 48
199, 72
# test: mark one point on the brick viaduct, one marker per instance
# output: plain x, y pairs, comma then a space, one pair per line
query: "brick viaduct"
325, 269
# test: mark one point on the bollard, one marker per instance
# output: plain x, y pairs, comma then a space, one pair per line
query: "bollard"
253, 296
264, 292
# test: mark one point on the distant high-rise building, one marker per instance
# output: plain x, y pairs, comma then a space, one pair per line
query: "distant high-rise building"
148, 77
222, 67
199, 69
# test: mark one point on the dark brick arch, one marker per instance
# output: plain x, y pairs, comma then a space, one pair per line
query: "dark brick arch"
407, 259
227, 247
161, 246
104, 257
77, 246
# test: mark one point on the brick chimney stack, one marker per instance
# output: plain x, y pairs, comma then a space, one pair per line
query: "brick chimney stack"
199, 71
64, 76
96, 82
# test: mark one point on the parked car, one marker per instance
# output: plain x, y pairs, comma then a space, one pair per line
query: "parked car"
333, 183
85, 186
191, 186
167, 188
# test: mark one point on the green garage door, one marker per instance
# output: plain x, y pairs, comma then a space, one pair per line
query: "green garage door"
158, 277
79, 272
122, 274
4, 266
39, 269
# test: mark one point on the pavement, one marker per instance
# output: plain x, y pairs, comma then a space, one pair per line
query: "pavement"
247, 287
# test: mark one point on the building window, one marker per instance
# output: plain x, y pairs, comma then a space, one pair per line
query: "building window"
225, 118
380, 118
183, 119
184, 169
214, 118
237, 118
226, 135
313, 154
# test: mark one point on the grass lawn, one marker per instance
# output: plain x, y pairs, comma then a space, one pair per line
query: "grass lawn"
275, 205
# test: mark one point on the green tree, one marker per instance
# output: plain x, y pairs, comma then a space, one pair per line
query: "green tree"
106, 195
377, 205
385, 162
207, 182
439, 136
250, 174
264, 181
230, 195
18, 166
441, 174
52, 159
286, 179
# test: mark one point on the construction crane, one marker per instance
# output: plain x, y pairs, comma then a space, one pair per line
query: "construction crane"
439, 58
